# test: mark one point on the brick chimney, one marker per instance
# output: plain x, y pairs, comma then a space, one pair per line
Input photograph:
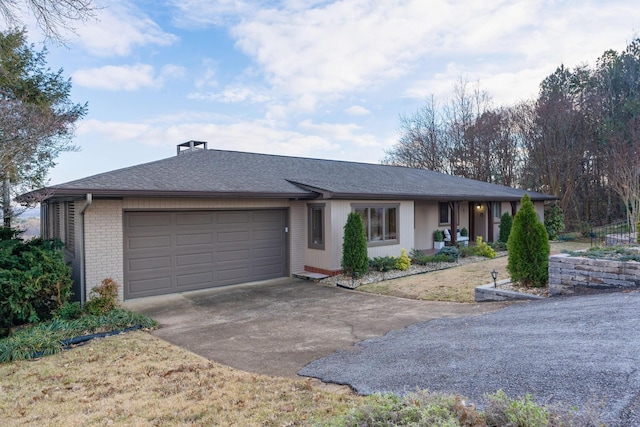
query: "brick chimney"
190, 146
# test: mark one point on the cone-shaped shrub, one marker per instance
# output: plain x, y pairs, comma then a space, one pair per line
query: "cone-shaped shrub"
506, 222
528, 247
355, 259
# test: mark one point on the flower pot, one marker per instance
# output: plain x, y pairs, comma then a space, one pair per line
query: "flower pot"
438, 245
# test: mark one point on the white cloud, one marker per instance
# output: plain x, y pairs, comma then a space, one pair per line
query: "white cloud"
319, 49
357, 110
320, 140
125, 77
232, 95
119, 29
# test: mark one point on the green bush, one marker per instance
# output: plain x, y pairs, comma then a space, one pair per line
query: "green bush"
103, 298
482, 248
355, 259
438, 235
498, 246
450, 253
506, 222
403, 262
383, 263
69, 311
420, 258
553, 220
528, 247
34, 281
464, 232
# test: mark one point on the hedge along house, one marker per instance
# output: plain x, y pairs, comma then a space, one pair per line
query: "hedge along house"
208, 218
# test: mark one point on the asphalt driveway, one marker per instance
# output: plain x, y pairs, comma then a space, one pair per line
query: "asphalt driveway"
278, 327
576, 351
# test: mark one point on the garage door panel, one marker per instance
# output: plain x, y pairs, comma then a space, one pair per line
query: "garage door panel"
269, 235
270, 251
149, 286
144, 264
169, 252
139, 220
233, 236
191, 218
194, 239
194, 259
232, 255
232, 275
234, 217
194, 280
147, 242
267, 216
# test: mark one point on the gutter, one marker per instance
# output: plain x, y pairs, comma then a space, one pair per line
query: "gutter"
87, 203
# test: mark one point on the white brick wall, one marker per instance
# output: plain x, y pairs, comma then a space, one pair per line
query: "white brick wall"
103, 243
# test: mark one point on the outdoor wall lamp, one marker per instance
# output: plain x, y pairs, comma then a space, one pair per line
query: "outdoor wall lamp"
494, 275
478, 206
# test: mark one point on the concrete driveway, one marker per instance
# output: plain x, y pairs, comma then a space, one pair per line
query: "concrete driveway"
280, 326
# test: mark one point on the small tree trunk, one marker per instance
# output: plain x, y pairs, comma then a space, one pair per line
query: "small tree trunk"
6, 201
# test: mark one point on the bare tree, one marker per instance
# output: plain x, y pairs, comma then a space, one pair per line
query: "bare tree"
52, 16
422, 144
624, 174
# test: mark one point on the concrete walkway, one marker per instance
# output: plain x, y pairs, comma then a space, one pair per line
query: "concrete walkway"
278, 327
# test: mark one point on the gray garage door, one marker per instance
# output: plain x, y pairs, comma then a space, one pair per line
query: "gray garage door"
166, 252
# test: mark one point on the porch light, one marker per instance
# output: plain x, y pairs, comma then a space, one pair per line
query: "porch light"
478, 206
494, 275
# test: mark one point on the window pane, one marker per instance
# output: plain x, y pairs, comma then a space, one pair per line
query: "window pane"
317, 229
497, 209
390, 224
376, 223
444, 213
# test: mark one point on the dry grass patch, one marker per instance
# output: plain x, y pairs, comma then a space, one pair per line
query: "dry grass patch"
137, 379
454, 284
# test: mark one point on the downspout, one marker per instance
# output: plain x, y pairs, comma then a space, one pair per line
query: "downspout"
83, 291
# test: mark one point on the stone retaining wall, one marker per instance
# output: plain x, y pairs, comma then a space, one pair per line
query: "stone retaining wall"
569, 275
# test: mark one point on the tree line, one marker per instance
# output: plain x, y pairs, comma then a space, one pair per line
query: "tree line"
579, 140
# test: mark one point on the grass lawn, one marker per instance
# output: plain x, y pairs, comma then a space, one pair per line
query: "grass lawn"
137, 379
455, 284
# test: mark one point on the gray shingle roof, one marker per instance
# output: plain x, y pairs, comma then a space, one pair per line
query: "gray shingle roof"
218, 173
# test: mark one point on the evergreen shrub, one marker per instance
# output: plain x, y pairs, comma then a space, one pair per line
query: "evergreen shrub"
355, 259
528, 247
553, 220
403, 262
506, 222
34, 281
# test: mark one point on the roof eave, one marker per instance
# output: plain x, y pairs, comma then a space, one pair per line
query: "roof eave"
56, 193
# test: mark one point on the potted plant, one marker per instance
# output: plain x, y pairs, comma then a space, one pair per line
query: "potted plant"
438, 239
464, 232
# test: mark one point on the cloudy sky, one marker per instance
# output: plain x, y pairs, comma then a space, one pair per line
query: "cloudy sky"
312, 78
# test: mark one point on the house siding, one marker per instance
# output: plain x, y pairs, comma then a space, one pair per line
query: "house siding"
336, 213
297, 236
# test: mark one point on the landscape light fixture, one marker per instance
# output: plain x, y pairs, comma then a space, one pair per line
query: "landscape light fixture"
494, 274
